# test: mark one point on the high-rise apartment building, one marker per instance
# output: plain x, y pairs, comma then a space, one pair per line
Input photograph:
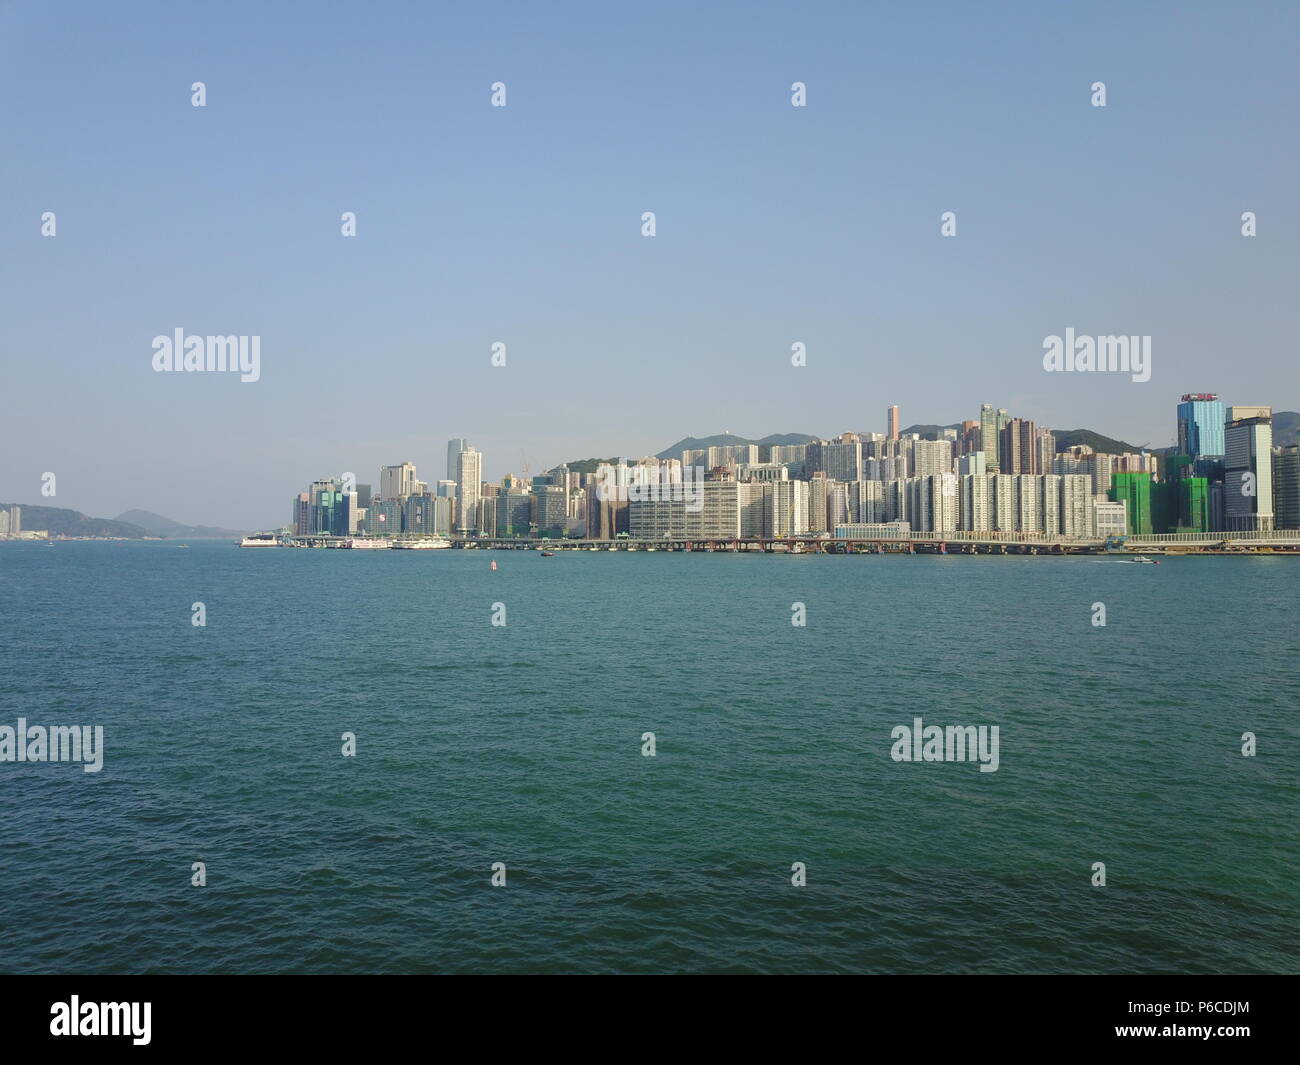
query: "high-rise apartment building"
935, 502
867, 502
1029, 502
1075, 513
789, 508
788, 455
992, 422
1017, 447
840, 460
930, 457
1045, 450
891, 421
1004, 501
754, 501
1103, 466
818, 491
976, 500
1049, 501
730, 455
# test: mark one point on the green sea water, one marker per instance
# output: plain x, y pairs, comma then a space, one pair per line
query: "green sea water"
522, 744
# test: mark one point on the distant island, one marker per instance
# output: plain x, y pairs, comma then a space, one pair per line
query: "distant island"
133, 525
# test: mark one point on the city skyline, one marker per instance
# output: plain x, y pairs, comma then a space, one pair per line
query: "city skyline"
506, 470
1000, 473
520, 226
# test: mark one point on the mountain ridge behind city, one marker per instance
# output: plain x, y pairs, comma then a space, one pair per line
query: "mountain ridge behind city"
157, 525
1286, 428
129, 525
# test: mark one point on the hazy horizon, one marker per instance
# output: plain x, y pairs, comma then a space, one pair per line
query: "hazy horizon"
521, 224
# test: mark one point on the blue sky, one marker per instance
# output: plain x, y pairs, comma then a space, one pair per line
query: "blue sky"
522, 224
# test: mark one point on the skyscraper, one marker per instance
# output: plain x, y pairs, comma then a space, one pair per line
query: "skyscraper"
515, 512
1045, 448
469, 487
1248, 474
891, 421
1286, 487
384, 517
397, 482
992, 422
455, 446
1200, 425
549, 510
419, 514
1018, 451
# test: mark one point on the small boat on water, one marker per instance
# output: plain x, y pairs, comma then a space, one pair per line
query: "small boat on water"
1141, 560
494, 565
548, 554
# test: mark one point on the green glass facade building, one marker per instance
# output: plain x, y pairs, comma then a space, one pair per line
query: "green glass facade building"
1181, 502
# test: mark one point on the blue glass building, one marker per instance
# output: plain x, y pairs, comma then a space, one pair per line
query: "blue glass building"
1200, 425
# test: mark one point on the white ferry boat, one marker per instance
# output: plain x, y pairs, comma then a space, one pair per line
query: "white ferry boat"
436, 544
260, 540
367, 544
